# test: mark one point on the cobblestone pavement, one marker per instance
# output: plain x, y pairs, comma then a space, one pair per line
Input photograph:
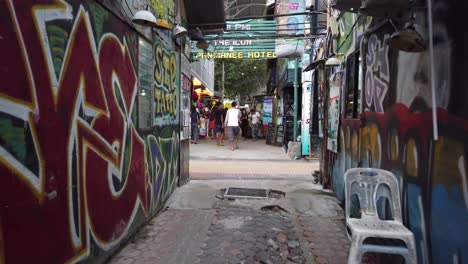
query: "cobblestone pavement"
326, 239
243, 235
207, 230
173, 237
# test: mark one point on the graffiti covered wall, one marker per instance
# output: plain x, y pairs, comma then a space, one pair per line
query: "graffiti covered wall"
77, 176
397, 133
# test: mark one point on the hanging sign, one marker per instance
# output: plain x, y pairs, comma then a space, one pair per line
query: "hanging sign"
242, 40
290, 25
267, 115
305, 120
334, 109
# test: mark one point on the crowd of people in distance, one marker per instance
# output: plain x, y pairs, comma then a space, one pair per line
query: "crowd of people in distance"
219, 122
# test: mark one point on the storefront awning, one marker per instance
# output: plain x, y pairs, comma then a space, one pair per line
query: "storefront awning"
314, 65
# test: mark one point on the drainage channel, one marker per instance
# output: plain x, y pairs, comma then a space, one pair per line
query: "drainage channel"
232, 193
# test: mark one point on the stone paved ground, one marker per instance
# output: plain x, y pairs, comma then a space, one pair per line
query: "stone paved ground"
236, 235
326, 239
243, 235
199, 228
173, 237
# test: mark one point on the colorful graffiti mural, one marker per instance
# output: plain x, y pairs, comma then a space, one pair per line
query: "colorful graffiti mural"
395, 133
77, 177
166, 84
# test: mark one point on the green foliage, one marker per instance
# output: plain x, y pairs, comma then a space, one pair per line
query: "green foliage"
242, 77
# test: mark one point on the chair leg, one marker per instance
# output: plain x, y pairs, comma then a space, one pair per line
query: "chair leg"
355, 255
412, 252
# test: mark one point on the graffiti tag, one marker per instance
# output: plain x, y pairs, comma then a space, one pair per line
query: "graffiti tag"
377, 73
165, 79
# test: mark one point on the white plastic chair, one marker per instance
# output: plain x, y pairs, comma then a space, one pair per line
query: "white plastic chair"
369, 233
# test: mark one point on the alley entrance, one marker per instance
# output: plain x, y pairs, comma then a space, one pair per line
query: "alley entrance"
200, 225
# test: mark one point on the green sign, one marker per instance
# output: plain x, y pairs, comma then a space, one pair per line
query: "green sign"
246, 39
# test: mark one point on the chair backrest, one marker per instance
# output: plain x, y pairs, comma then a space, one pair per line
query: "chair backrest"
365, 182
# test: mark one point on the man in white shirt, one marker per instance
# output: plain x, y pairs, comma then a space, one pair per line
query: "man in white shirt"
255, 121
232, 121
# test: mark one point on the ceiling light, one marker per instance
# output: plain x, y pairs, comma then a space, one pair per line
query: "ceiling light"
202, 44
408, 40
144, 18
162, 24
179, 31
333, 61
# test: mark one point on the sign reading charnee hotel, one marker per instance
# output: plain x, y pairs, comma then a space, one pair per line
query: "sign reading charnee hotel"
248, 39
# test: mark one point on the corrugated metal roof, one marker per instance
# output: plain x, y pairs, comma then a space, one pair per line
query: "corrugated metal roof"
244, 8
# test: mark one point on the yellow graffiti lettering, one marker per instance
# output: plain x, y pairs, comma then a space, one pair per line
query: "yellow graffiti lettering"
173, 73
167, 78
394, 145
158, 53
371, 144
412, 158
166, 102
450, 163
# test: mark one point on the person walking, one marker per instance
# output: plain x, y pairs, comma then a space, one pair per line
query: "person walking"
203, 117
219, 125
212, 122
255, 123
232, 123
195, 122
244, 123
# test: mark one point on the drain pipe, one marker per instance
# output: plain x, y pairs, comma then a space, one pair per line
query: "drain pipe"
431, 61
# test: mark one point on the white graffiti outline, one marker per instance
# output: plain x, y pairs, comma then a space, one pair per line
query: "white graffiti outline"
462, 169
41, 17
23, 111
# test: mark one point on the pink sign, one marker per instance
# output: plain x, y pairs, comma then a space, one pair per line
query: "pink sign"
294, 6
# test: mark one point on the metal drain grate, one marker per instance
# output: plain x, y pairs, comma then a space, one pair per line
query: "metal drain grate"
245, 193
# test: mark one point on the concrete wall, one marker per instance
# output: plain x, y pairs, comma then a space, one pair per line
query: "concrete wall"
78, 176
397, 133
203, 69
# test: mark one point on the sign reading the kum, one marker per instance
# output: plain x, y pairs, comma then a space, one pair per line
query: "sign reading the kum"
236, 46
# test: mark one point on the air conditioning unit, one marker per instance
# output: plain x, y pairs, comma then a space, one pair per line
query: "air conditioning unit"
346, 5
384, 8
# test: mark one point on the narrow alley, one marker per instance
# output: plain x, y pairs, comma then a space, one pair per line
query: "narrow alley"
233, 131
200, 225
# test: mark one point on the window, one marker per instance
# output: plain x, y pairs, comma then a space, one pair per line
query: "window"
353, 85
146, 80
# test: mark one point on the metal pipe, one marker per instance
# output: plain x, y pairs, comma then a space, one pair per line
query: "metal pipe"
431, 59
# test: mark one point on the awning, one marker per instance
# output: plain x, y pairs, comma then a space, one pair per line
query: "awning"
207, 15
314, 65
346, 5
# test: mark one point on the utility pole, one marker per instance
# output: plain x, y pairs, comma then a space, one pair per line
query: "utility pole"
222, 80
296, 66
313, 28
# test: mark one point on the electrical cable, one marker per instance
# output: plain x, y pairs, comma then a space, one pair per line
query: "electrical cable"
349, 34
129, 9
261, 17
286, 36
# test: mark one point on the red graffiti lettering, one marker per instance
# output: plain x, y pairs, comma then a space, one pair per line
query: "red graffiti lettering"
91, 165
